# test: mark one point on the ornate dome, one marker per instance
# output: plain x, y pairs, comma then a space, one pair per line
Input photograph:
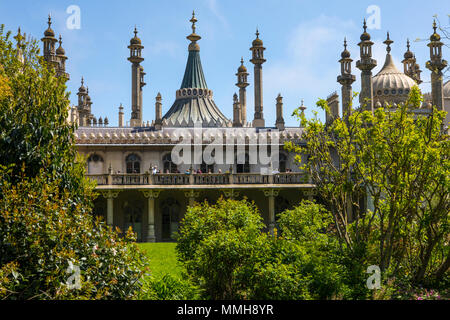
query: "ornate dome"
60, 51
447, 90
257, 42
135, 40
390, 84
242, 68
49, 32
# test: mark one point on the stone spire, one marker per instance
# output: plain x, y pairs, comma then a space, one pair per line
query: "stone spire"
366, 64
19, 37
194, 101
49, 42
158, 112
61, 59
84, 105
280, 119
346, 80
237, 121
302, 109
242, 84
258, 60
410, 66
137, 79
121, 120
436, 65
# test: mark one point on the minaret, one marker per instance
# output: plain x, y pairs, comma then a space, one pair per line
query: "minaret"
82, 111
49, 41
242, 84
137, 79
19, 37
410, 66
237, 112
436, 65
366, 64
346, 80
121, 116
280, 120
302, 109
158, 112
61, 58
258, 60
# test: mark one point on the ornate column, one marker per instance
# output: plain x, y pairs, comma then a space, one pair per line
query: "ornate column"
151, 195
271, 194
191, 195
110, 195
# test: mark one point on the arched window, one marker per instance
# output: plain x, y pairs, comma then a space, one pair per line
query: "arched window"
283, 162
133, 164
243, 167
95, 164
168, 165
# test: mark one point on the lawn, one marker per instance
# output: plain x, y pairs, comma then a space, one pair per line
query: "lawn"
163, 258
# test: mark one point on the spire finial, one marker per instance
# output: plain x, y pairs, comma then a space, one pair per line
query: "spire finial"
193, 21
434, 25
388, 43
242, 61
365, 25
345, 43
407, 44
49, 20
135, 31
60, 40
257, 33
82, 81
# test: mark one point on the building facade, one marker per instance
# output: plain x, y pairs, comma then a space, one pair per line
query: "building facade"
148, 174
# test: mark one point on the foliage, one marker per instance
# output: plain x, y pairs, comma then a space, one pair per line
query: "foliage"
229, 257
46, 223
400, 163
168, 287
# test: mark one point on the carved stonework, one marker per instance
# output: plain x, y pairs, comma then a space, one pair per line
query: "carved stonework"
151, 193
110, 194
191, 193
271, 192
310, 193
231, 193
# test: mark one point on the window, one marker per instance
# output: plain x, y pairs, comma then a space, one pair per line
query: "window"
170, 218
243, 167
133, 164
168, 165
95, 164
283, 161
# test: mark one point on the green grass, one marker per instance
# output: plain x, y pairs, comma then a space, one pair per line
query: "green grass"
163, 258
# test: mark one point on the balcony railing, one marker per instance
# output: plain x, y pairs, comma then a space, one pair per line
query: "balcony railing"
198, 179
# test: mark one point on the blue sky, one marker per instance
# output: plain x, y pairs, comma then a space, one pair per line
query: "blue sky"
303, 40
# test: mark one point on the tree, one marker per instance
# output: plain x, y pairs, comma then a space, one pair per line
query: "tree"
46, 221
398, 164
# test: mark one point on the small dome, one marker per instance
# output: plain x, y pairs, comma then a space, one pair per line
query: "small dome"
365, 36
408, 55
391, 79
345, 54
60, 51
447, 90
257, 42
135, 40
49, 32
82, 88
435, 36
242, 68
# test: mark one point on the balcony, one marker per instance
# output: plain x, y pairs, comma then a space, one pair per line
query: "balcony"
201, 180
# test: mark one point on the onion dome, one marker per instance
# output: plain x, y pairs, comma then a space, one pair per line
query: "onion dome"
408, 53
82, 88
447, 90
390, 83
257, 42
135, 40
365, 36
60, 51
345, 54
435, 36
49, 32
242, 68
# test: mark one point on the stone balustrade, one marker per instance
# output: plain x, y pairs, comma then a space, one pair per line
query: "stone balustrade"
199, 179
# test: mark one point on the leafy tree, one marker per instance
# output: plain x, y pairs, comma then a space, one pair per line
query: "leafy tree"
398, 164
46, 220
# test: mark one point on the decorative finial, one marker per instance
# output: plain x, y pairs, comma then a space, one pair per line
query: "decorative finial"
388, 43
49, 20
365, 25
242, 61
257, 33
434, 25
345, 43
82, 81
407, 44
60, 40
135, 31
194, 21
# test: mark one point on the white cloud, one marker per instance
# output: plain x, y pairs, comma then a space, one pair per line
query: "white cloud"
212, 5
